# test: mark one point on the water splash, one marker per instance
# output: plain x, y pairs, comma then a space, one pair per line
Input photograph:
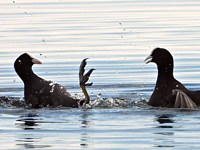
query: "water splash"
99, 102
16, 102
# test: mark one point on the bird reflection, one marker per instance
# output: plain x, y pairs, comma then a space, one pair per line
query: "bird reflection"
28, 122
85, 124
165, 129
165, 121
84, 140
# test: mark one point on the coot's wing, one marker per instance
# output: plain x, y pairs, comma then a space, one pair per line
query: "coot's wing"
183, 100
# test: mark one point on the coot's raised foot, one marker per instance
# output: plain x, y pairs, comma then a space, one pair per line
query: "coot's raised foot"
83, 78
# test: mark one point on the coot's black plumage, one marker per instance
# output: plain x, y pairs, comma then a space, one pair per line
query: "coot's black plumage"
39, 92
168, 91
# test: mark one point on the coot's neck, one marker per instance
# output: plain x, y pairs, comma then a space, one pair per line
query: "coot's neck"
27, 75
165, 74
166, 71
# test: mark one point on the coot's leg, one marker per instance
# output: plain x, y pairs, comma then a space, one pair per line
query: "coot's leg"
83, 78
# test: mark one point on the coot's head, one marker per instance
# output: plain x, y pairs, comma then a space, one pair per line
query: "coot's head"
23, 64
162, 58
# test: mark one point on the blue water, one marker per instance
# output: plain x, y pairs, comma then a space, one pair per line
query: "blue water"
117, 36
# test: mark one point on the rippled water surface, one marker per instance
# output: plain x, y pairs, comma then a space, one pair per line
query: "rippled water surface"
117, 35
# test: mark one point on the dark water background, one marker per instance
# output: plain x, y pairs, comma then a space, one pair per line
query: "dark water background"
117, 36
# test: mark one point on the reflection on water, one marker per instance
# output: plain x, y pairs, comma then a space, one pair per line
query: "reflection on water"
85, 124
117, 36
29, 122
165, 121
30, 143
114, 128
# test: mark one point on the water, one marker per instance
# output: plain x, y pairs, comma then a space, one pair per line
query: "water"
117, 36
